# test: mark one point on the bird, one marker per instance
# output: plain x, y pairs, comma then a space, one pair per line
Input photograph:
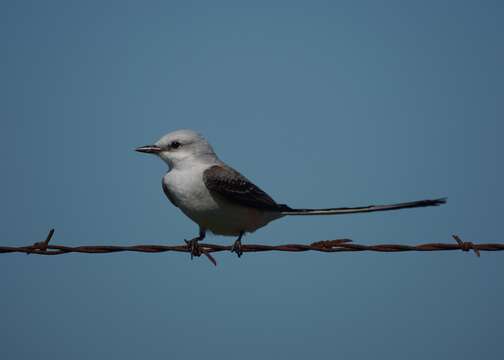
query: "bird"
221, 200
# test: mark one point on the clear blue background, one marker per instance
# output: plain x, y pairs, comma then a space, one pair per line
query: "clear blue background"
333, 103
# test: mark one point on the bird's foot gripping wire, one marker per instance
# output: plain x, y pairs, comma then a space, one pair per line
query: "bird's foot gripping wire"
237, 246
194, 247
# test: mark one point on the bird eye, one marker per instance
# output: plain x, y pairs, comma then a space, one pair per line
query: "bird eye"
175, 145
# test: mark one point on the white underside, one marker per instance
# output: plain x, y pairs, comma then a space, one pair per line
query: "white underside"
211, 211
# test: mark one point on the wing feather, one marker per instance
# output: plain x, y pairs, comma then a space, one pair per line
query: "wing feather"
236, 188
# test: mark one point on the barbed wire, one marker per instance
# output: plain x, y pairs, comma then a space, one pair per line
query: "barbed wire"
328, 246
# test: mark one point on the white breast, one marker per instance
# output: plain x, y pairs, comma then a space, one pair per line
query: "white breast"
211, 211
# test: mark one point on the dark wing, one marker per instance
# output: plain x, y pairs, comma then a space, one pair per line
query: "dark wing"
167, 193
238, 189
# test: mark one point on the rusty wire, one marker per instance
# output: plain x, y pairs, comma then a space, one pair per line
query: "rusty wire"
338, 245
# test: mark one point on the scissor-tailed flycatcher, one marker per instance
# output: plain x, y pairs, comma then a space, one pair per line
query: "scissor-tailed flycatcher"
220, 199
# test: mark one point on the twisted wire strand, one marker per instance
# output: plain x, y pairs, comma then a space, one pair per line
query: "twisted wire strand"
328, 246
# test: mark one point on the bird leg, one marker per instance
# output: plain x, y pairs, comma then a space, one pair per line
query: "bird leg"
193, 244
237, 246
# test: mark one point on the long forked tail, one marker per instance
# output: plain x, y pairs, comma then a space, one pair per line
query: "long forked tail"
364, 209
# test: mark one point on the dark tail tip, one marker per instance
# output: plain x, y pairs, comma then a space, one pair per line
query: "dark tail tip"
438, 202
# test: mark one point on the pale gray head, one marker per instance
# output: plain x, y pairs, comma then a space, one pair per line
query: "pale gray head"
180, 148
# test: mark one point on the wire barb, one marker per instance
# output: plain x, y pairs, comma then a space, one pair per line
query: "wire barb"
337, 245
41, 245
466, 245
196, 250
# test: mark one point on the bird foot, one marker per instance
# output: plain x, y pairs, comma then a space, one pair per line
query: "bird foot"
193, 246
237, 247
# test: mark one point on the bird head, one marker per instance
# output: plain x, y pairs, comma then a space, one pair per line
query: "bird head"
180, 148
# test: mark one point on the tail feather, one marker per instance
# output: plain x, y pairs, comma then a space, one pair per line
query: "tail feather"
364, 209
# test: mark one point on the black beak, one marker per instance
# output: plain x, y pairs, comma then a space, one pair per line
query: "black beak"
149, 149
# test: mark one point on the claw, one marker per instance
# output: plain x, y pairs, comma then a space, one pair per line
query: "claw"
193, 247
237, 246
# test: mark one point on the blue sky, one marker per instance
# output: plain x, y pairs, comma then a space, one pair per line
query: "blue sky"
320, 103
